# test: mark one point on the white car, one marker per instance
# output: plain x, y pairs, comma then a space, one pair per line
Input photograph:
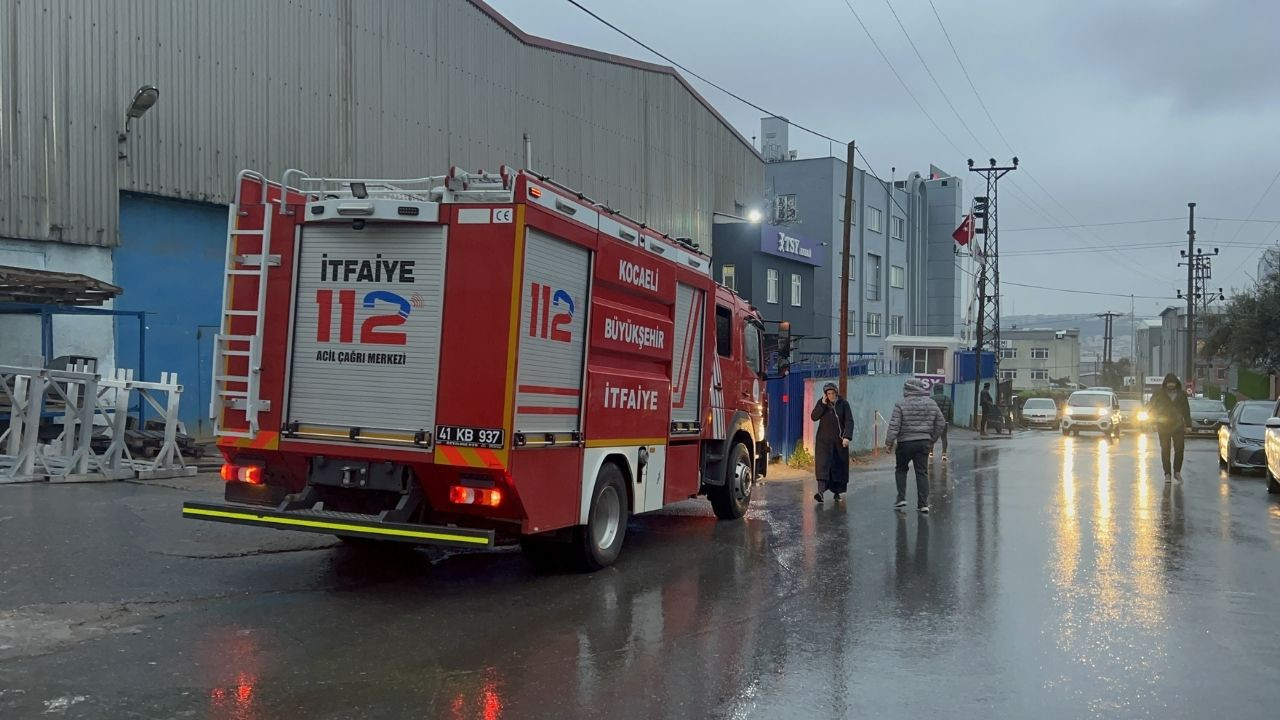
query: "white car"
1040, 412
1272, 445
1092, 411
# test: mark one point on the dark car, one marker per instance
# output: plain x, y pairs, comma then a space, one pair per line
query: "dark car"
1241, 441
1206, 416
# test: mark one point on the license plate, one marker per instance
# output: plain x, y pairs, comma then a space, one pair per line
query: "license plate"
462, 436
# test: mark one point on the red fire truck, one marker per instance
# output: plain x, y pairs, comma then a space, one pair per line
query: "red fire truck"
456, 359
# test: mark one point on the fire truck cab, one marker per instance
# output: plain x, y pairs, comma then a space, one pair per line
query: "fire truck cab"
464, 358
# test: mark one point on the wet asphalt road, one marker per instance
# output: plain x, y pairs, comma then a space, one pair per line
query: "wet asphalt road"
1056, 578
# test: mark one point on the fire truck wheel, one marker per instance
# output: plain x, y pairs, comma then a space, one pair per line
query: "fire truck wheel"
731, 499
598, 543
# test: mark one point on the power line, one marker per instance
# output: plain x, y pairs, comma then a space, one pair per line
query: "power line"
1099, 224
956, 53
739, 98
1256, 205
1009, 146
932, 77
721, 88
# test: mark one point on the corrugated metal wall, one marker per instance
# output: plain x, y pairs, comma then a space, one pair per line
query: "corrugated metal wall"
338, 87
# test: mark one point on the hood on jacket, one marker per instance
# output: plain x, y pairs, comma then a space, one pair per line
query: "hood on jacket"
914, 387
830, 386
1169, 377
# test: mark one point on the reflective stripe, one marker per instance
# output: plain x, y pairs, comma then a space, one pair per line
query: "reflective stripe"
374, 530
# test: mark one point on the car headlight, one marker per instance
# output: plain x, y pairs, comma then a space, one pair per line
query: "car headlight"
1143, 415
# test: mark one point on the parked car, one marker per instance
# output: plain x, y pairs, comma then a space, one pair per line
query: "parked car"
1272, 445
1133, 415
1040, 412
1092, 411
1241, 440
1207, 416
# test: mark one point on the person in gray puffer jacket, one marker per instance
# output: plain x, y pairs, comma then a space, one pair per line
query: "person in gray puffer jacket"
914, 428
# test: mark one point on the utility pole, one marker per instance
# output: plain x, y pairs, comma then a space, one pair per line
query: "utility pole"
1107, 343
985, 208
1199, 272
1189, 371
843, 322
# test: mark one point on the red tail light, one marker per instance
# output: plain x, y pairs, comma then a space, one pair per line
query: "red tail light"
489, 497
251, 474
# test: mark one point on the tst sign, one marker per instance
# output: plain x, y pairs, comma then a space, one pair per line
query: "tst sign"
784, 243
792, 246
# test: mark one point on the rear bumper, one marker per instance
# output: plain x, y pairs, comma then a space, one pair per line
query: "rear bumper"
337, 523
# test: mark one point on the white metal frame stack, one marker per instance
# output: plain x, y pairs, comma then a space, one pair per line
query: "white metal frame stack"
91, 405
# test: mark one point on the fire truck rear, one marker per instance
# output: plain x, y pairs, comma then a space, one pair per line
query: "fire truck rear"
459, 359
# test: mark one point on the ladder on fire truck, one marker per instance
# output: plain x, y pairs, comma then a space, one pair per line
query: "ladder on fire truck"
242, 391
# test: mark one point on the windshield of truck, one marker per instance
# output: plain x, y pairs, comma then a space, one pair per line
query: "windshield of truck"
1089, 400
1203, 405
1040, 404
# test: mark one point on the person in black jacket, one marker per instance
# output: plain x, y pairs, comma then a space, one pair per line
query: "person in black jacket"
831, 449
988, 407
1171, 414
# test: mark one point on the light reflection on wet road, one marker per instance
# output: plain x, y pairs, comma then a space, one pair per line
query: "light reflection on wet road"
1057, 578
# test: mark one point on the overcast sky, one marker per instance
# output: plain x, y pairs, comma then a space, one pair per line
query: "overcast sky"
1122, 111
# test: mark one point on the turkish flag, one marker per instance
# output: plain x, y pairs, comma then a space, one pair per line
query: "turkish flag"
964, 233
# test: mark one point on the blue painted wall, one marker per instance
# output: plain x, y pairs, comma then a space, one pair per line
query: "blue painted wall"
169, 263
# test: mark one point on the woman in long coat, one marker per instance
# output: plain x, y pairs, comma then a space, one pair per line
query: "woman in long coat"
835, 429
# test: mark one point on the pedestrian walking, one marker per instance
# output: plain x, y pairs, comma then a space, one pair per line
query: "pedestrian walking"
1171, 414
835, 429
914, 428
944, 404
988, 407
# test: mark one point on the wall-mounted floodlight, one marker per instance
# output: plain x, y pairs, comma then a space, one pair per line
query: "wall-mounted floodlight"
143, 100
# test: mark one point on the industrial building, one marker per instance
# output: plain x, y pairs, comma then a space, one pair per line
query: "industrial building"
904, 278
385, 89
1038, 358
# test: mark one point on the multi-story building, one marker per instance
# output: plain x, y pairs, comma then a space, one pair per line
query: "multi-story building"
1039, 359
903, 277
1150, 351
773, 268
1173, 350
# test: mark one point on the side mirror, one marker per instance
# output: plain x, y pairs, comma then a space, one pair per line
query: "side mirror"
1273, 423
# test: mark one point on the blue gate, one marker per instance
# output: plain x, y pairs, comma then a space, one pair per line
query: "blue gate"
786, 395
169, 264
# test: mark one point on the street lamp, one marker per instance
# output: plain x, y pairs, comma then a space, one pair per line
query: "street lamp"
754, 216
143, 100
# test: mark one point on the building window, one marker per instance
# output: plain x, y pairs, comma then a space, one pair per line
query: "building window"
840, 210
1039, 353
897, 227
727, 278
1008, 353
873, 324
851, 323
724, 331
796, 288
1040, 374
895, 324
1008, 374
1222, 373
784, 208
897, 276
921, 361
873, 276
771, 286
874, 219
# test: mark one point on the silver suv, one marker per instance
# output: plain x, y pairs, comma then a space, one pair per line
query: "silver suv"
1092, 411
